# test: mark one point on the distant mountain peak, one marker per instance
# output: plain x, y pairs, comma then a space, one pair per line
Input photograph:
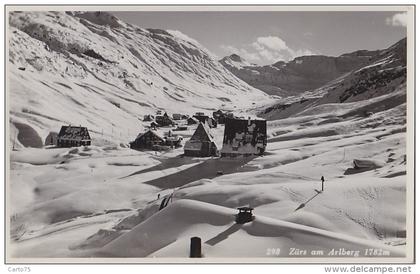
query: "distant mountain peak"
235, 57
236, 61
309, 72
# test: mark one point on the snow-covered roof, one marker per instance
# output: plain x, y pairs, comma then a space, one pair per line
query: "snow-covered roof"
192, 118
202, 133
154, 132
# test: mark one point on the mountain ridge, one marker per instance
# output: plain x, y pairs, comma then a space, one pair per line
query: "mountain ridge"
301, 74
93, 69
384, 77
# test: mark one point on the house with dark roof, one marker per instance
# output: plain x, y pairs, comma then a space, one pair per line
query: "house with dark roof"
153, 125
147, 140
201, 117
164, 120
201, 143
172, 140
220, 116
148, 118
192, 121
244, 137
176, 116
72, 136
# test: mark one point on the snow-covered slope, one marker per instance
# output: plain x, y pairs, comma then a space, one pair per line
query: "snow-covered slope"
378, 86
167, 234
301, 74
236, 61
104, 200
94, 70
84, 202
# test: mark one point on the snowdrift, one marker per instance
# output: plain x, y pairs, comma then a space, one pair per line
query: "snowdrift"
167, 234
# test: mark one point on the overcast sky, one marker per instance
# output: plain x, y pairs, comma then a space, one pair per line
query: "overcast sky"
266, 37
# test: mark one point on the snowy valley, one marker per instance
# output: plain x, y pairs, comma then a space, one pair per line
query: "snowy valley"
105, 200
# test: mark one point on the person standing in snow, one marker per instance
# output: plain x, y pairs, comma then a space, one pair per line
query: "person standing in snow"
322, 181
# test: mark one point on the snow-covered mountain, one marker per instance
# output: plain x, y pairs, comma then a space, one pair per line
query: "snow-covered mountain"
92, 69
235, 61
379, 85
299, 75
105, 201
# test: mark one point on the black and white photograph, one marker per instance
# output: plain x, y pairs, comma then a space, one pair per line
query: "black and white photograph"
197, 134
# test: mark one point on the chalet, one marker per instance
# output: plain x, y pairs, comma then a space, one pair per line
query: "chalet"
176, 116
201, 117
192, 121
212, 122
164, 120
153, 125
201, 143
244, 137
220, 116
147, 140
72, 136
148, 118
172, 140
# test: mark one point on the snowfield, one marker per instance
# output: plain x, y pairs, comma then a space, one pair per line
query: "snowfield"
103, 201
109, 201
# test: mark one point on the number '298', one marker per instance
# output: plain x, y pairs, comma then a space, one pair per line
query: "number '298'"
272, 252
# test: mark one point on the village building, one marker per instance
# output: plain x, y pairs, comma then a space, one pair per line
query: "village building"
153, 125
51, 139
201, 117
73, 136
153, 140
244, 137
147, 140
212, 122
172, 140
176, 116
148, 118
164, 120
220, 116
192, 121
201, 143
